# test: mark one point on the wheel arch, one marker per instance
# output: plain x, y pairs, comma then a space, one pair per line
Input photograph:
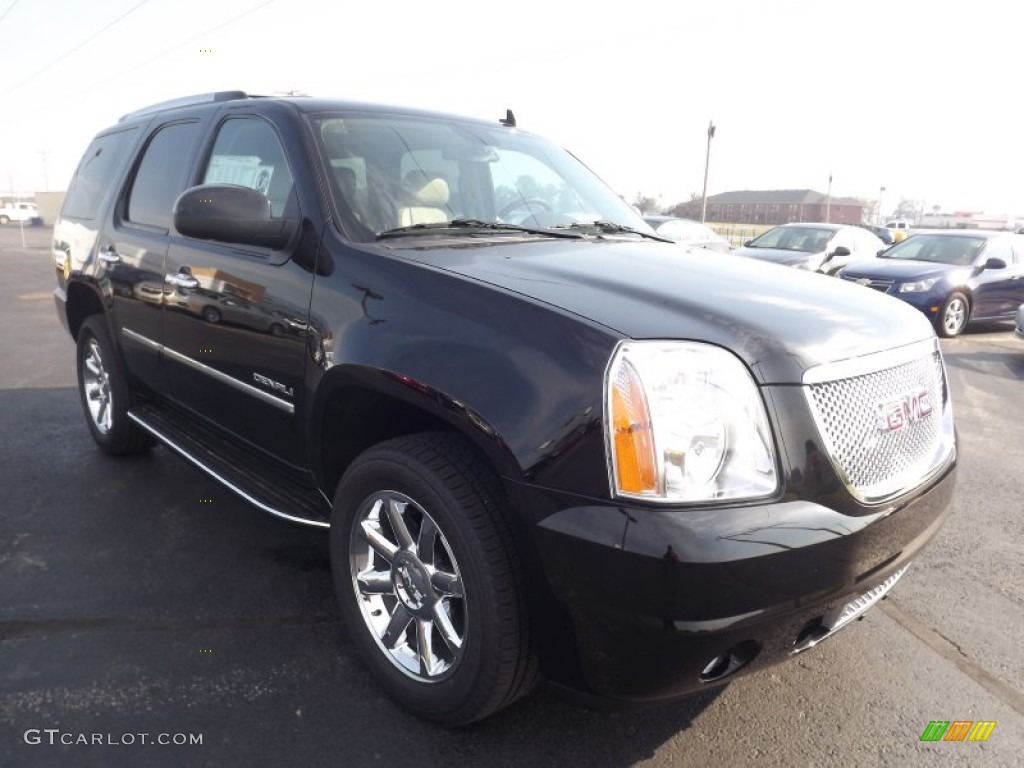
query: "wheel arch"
83, 301
356, 407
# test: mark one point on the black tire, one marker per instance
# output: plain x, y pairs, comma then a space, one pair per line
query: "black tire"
434, 479
953, 315
101, 379
276, 329
211, 314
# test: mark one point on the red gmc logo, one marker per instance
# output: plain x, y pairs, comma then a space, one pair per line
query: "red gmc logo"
895, 414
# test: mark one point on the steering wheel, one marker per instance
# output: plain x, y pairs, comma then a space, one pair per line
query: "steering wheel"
528, 203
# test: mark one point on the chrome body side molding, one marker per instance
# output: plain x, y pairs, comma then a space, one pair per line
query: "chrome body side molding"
213, 373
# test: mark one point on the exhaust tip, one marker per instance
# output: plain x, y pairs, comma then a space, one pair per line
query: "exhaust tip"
729, 663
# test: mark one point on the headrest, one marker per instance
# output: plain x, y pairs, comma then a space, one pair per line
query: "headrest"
433, 193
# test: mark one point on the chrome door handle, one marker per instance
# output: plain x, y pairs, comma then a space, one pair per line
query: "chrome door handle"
182, 280
109, 256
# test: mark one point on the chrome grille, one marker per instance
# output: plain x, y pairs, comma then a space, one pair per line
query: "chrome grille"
876, 460
878, 285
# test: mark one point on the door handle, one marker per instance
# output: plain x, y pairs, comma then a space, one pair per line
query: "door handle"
182, 280
109, 255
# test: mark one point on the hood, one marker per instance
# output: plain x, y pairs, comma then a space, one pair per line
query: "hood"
779, 321
777, 255
900, 269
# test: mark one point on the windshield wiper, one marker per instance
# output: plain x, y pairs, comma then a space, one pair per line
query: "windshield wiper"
610, 227
470, 224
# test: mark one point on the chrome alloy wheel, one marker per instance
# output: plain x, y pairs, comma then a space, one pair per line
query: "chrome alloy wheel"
408, 586
96, 382
954, 316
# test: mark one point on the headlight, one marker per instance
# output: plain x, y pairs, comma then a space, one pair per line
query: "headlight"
686, 423
919, 286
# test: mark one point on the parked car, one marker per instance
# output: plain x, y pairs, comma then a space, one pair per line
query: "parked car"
687, 232
19, 211
882, 233
825, 248
953, 277
557, 447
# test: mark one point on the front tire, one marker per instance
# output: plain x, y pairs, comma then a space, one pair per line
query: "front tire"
428, 578
953, 315
105, 392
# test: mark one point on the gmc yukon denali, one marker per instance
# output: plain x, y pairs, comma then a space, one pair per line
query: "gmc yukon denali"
546, 444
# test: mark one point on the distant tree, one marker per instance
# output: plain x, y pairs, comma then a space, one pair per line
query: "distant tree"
936, 209
646, 203
870, 208
907, 209
694, 197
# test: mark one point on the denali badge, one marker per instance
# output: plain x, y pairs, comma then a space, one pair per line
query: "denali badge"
276, 385
901, 412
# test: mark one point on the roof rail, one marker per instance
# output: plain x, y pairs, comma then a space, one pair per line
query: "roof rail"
186, 101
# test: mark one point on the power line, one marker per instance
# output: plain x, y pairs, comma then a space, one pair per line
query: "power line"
9, 7
192, 39
76, 48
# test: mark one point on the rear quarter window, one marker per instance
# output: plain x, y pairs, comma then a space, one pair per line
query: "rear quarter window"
97, 174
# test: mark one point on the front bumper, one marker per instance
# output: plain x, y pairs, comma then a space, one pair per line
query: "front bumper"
928, 302
660, 603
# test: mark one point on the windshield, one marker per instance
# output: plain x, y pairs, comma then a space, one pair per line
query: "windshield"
806, 239
941, 249
390, 171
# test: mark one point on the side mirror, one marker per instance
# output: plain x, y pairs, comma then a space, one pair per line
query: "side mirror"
994, 263
841, 250
229, 213
883, 250
746, 243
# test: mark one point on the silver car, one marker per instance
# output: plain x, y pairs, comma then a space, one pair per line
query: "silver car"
687, 232
822, 247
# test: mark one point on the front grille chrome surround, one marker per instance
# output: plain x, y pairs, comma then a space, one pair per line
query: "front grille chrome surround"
879, 459
879, 284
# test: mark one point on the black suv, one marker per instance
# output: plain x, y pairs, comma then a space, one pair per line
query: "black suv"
544, 441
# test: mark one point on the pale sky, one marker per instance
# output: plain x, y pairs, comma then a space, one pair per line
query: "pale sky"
923, 98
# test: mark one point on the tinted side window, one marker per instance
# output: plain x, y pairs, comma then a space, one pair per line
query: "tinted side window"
97, 173
162, 175
248, 153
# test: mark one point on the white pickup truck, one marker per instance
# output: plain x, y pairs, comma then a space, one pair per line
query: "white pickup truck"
18, 211
900, 229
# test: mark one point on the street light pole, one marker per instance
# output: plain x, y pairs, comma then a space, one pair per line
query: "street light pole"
828, 200
878, 213
707, 160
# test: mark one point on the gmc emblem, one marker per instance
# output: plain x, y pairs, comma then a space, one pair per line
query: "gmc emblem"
900, 412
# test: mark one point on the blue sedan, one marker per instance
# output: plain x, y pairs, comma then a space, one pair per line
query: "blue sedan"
953, 277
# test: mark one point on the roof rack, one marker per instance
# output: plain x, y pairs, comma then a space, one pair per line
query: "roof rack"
186, 101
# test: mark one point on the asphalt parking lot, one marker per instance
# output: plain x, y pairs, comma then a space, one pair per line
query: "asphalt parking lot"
138, 597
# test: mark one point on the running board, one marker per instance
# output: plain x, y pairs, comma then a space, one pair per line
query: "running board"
268, 489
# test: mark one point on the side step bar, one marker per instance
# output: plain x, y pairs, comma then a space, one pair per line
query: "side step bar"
268, 489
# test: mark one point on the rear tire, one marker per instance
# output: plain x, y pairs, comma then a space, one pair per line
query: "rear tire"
953, 315
105, 392
429, 579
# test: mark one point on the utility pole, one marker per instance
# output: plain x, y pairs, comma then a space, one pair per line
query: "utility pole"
707, 160
46, 174
878, 213
828, 200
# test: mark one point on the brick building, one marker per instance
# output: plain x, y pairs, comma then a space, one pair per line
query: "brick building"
774, 206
